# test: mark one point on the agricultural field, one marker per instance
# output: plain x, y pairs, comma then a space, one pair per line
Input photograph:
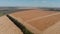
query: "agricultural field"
37, 20
8, 27
31, 21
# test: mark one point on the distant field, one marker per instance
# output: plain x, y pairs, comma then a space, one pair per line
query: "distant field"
7, 10
3, 12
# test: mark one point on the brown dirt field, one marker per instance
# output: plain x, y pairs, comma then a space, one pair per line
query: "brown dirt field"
55, 29
27, 15
7, 27
44, 23
40, 24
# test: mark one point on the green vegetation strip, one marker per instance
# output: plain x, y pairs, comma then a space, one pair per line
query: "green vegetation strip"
1, 14
19, 25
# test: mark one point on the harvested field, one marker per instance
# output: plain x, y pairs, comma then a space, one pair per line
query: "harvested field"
45, 22
27, 15
38, 21
54, 29
7, 27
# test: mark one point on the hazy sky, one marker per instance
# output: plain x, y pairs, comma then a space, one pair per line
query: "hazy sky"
31, 3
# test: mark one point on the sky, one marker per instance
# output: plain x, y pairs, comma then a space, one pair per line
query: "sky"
30, 3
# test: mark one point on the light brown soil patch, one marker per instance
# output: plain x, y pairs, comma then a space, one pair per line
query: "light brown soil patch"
7, 27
